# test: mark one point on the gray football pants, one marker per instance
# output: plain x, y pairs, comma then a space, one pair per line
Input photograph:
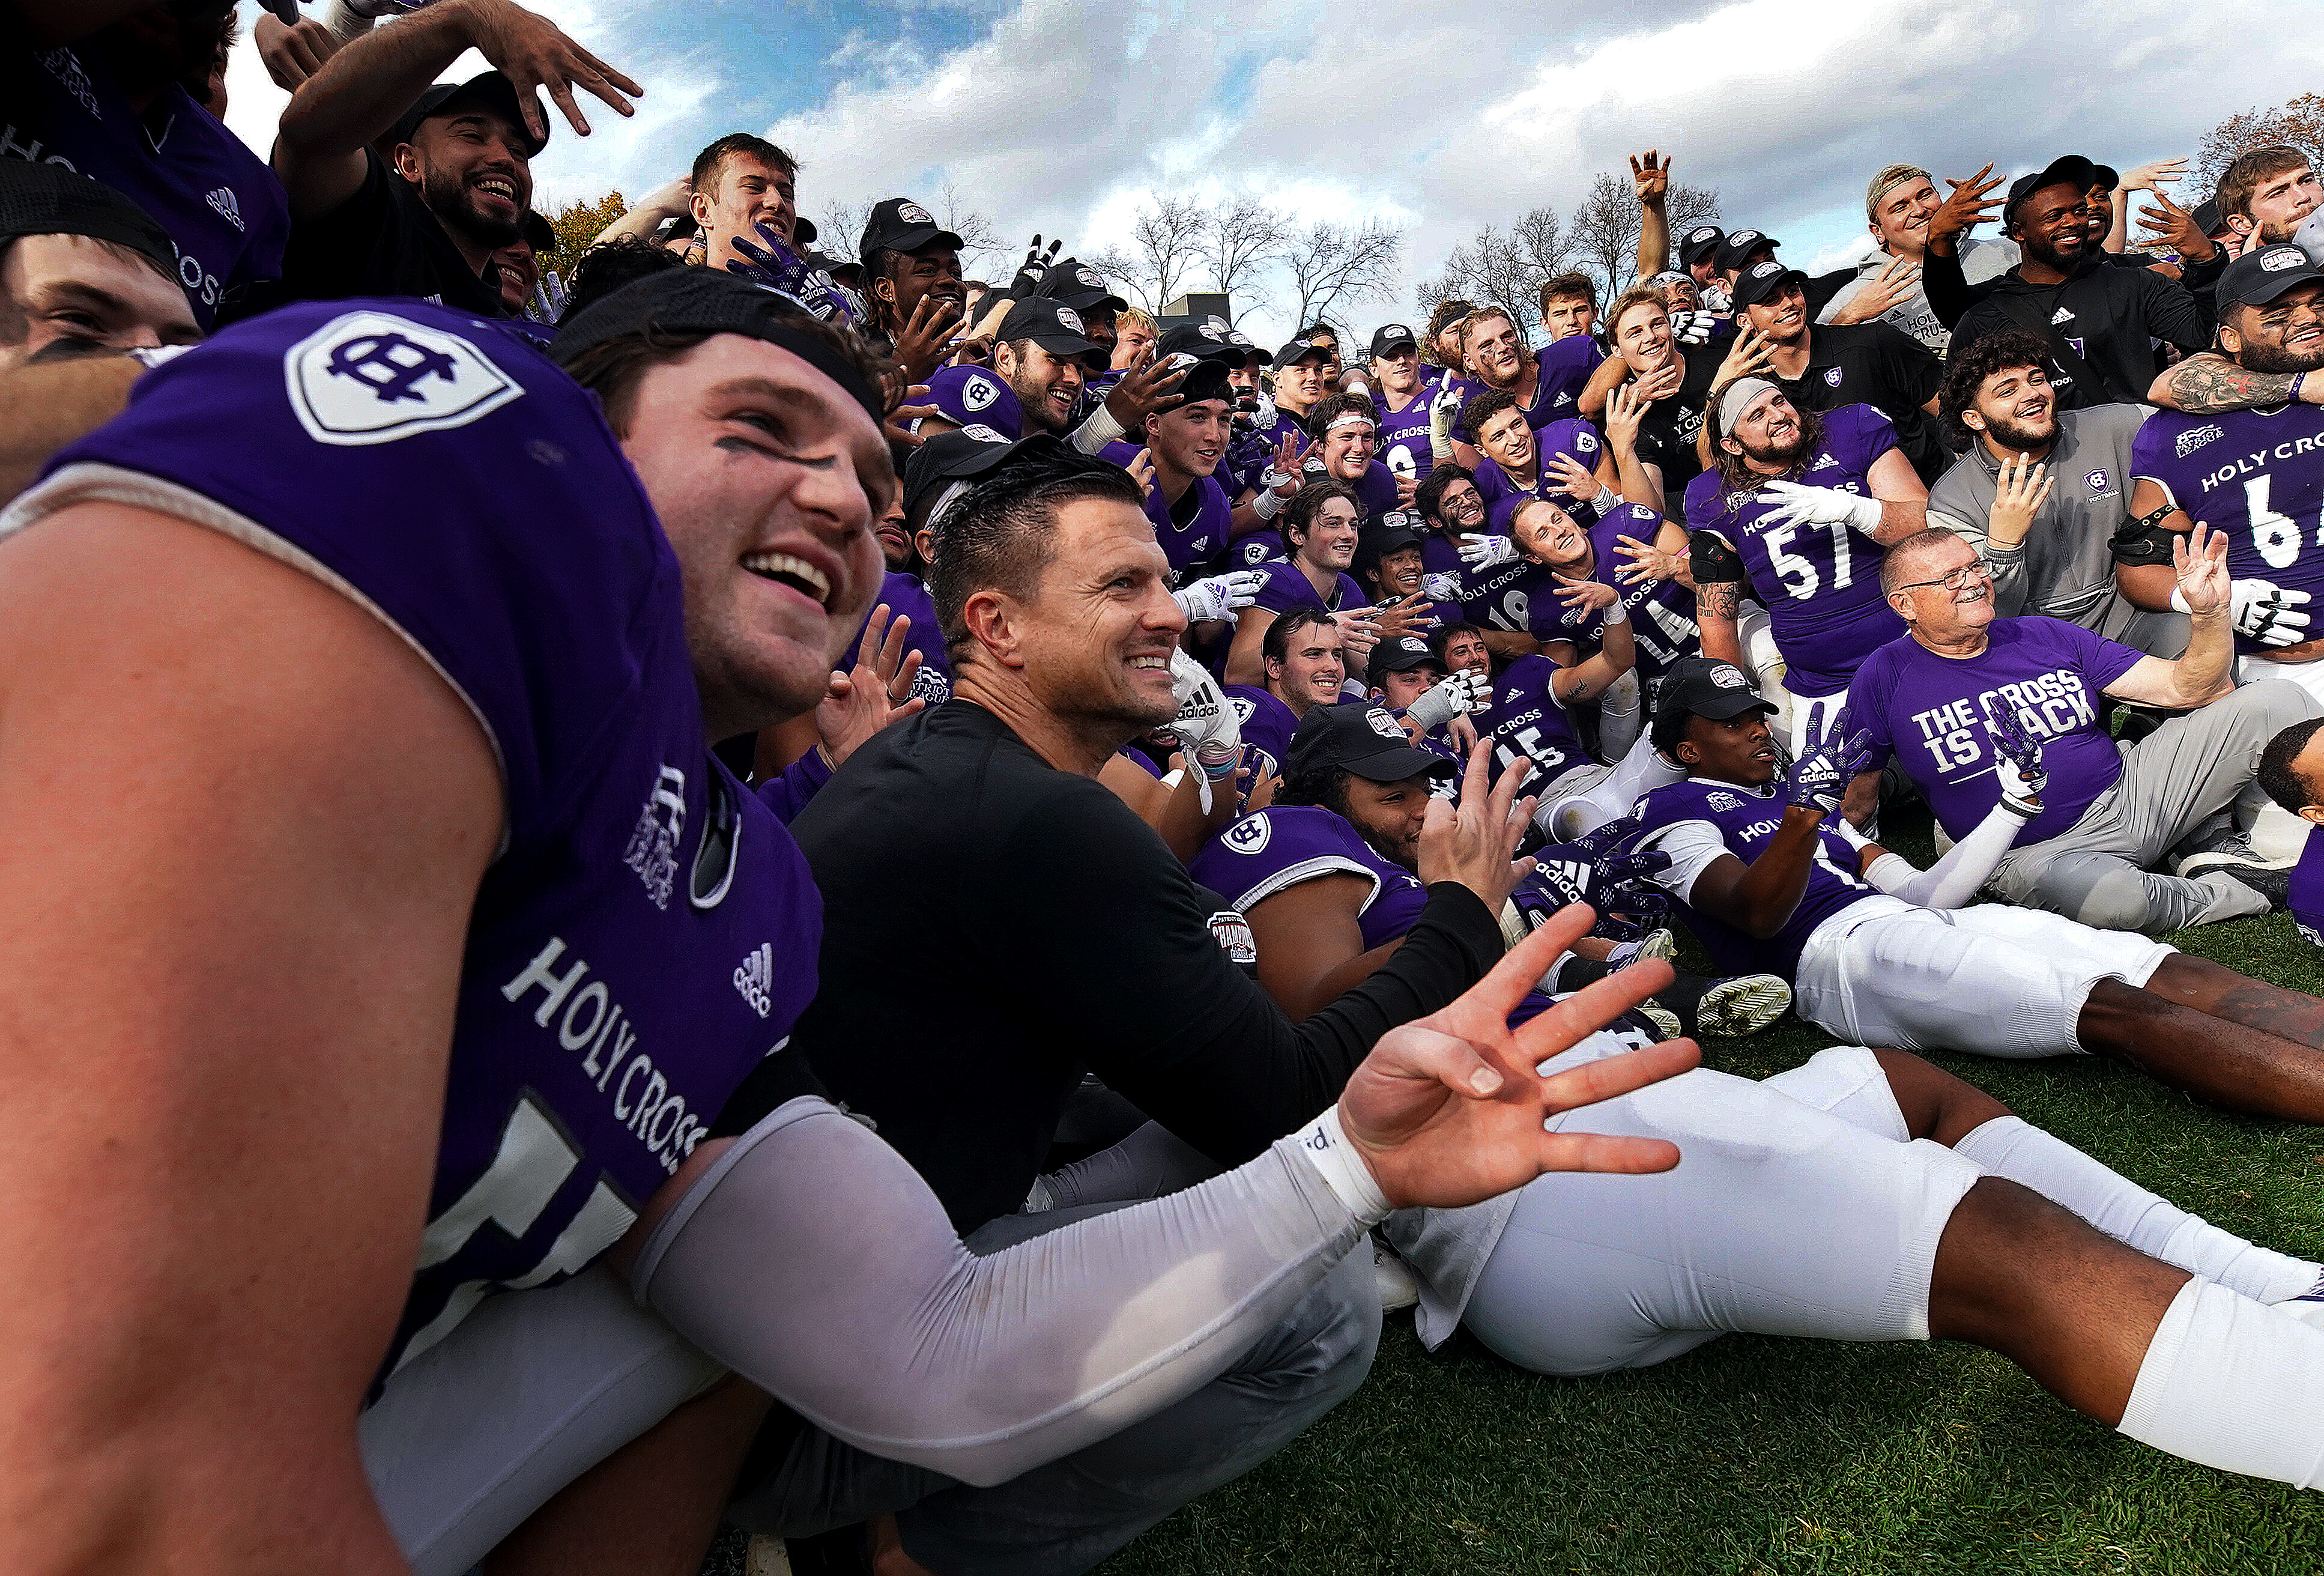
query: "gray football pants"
1072, 1514
2187, 769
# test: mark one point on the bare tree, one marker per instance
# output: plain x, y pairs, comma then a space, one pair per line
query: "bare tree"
1507, 271
1168, 237
1244, 238
840, 226
1688, 206
1333, 265
2300, 122
1120, 270
981, 245
1605, 230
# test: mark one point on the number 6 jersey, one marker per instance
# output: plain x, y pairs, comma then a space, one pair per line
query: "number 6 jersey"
648, 931
1819, 583
2256, 474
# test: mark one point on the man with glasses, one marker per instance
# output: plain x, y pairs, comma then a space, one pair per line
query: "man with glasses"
1964, 692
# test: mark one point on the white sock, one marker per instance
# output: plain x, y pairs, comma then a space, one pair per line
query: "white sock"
2230, 1384
2010, 1147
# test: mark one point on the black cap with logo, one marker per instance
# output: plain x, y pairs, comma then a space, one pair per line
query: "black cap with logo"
1764, 281
1078, 286
2257, 278
1388, 337
1402, 655
948, 458
1701, 686
901, 225
1299, 350
1736, 248
1361, 737
488, 89
1055, 328
2072, 170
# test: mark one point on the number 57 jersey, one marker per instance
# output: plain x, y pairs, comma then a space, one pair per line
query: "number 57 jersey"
2256, 474
1819, 583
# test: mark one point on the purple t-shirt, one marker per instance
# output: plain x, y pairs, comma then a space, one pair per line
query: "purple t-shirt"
223, 208
970, 396
1931, 711
1746, 818
1501, 597
907, 598
1819, 583
649, 931
1190, 531
2256, 474
2307, 895
1528, 719
1564, 367
1265, 722
1288, 588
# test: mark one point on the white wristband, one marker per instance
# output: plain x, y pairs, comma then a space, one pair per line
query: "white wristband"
1268, 505
1607, 500
1099, 430
1615, 615
1343, 1170
2179, 601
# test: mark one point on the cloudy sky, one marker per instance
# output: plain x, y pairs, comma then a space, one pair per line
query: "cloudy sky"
1434, 118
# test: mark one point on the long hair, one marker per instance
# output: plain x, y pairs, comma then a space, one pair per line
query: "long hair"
1735, 475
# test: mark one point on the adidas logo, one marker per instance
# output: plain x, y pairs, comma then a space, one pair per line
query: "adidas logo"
1824, 460
2061, 315
223, 200
755, 979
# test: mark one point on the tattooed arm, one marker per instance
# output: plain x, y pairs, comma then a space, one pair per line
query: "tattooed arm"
2209, 382
1715, 603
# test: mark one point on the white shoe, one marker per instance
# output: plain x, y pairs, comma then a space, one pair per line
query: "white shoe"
1398, 1286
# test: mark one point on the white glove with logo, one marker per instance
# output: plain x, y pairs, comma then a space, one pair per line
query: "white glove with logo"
1692, 327
1262, 415
1463, 692
1482, 552
1443, 411
1209, 734
2268, 613
1220, 597
1801, 506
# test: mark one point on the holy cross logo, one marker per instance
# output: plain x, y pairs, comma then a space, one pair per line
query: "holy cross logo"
399, 362
370, 377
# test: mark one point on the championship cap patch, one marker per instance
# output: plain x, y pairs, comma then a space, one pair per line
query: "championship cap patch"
2276, 259
1727, 677
1070, 318
370, 377
912, 213
1384, 725
981, 433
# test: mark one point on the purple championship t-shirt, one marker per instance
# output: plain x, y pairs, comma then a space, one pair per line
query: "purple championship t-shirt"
648, 931
1819, 583
1190, 531
1931, 711
1265, 723
1744, 819
223, 208
1288, 588
2306, 898
2256, 474
1662, 611
1564, 367
907, 598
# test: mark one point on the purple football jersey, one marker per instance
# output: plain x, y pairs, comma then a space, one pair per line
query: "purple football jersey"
223, 208
1662, 611
1287, 586
1931, 711
649, 932
2306, 899
2256, 474
1401, 440
1501, 597
1819, 583
1376, 491
1264, 722
1247, 455
907, 598
1194, 528
1746, 818
1528, 719
970, 396
1573, 437
1563, 368
1285, 844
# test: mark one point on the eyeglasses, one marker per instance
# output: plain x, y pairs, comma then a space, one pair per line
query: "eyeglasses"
1956, 581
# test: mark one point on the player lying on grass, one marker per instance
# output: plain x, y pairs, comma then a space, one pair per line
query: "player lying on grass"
1768, 877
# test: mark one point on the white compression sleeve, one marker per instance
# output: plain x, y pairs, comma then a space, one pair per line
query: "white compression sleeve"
2011, 1148
1953, 879
1098, 430
2231, 1384
813, 1260
1620, 716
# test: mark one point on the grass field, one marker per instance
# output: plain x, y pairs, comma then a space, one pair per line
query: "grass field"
1762, 1455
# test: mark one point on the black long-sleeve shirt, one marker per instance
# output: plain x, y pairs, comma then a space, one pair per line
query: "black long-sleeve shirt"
2104, 314
993, 926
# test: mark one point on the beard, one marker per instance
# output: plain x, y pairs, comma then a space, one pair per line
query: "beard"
448, 197
2008, 434
1785, 454
2257, 358
2048, 254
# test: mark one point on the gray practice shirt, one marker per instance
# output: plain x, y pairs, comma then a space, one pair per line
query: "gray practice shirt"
1980, 261
2064, 569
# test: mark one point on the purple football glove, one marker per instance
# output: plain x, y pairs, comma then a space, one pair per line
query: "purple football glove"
1820, 778
771, 264
2017, 760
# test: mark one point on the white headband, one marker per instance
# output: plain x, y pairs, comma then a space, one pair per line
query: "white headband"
1738, 398
1350, 419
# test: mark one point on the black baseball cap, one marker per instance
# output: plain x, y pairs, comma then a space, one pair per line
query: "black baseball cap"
901, 225
1402, 655
1054, 326
2071, 170
49, 199
1699, 243
2207, 217
489, 88
1764, 281
1738, 245
1080, 287
1359, 736
1299, 350
538, 234
2257, 278
950, 456
1389, 336
802, 232
1701, 686
710, 301
1201, 341
2104, 175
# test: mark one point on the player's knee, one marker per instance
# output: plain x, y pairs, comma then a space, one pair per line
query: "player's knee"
1935, 1104
2275, 704
1321, 1352
2113, 899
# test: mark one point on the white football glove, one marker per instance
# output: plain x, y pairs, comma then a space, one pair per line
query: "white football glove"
1439, 586
1462, 693
1262, 415
1482, 552
2268, 613
1443, 411
1220, 597
1692, 327
1801, 505
1209, 733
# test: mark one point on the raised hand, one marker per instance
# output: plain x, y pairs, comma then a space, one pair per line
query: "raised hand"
1749, 353
1893, 288
1147, 387
1407, 615
1358, 633
1803, 505
1585, 594
1967, 207
926, 338
1650, 178
2160, 172
1692, 327
1208, 731
1220, 597
2017, 760
1646, 561
1449, 1111
2268, 613
2018, 494
1572, 477
873, 693
1482, 552
1141, 470
1476, 844
1625, 410
1660, 384
533, 53
771, 264
1458, 696
1820, 778
2176, 228
2198, 562
291, 54
1037, 264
